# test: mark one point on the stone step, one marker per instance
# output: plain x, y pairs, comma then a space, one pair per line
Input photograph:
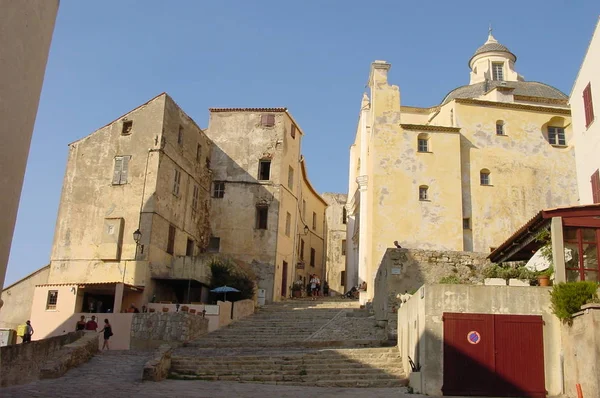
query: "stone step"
285, 365
357, 381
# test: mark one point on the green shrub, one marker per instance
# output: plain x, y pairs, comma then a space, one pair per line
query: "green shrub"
451, 280
492, 271
567, 298
225, 274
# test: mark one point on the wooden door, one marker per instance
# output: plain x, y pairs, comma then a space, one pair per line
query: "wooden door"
284, 276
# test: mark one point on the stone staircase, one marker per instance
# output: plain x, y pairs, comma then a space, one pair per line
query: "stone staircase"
312, 343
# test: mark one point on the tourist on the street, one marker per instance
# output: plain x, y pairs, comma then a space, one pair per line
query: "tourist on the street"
313, 286
91, 324
107, 330
28, 332
80, 325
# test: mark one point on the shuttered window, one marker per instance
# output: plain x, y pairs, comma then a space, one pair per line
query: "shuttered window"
596, 186
267, 120
195, 196
176, 182
588, 105
121, 170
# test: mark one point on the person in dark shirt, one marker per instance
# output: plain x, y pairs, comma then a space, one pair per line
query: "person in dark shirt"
107, 330
80, 325
91, 324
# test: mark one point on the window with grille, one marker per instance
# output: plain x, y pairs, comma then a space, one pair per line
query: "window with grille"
588, 105
313, 255
484, 177
556, 136
499, 127
267, 120
218, 189
195, 197
423, 192
264, 170
52, 299
121, 170
262, 216
498, 71
176, 182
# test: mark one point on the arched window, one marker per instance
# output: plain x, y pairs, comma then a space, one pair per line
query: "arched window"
423, 143
423, 192
500, 127
484, 177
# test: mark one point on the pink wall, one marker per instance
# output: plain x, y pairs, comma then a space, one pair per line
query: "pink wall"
212, 312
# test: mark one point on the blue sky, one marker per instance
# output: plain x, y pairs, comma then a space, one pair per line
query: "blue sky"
312, 56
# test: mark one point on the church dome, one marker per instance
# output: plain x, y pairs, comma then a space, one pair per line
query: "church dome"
492, 45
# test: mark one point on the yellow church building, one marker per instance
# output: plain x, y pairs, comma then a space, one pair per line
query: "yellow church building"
460, 175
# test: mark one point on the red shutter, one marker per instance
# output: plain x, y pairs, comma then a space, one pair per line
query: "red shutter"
588, 105
596, 186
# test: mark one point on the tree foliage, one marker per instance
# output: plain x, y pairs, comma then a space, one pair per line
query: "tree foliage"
567, 298
225, 274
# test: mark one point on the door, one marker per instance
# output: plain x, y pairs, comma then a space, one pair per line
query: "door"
493, 355
284, 275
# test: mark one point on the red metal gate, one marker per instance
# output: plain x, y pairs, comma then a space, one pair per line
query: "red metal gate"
493, 355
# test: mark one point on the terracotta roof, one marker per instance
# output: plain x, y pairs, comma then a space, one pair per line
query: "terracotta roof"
87, 284
538, 108
429, 127
247, 109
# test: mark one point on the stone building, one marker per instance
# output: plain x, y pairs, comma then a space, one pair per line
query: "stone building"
459, 175
264, 209
335, 264
145, 172
586, 130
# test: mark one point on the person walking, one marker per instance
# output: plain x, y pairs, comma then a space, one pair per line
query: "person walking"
313, 286
107, 330
28, 332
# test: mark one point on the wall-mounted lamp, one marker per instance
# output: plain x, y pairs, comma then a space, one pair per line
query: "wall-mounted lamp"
137, 236
306, 230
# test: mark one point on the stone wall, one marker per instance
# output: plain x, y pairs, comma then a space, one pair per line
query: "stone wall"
150, 330
70, 356
21, 363
242, 309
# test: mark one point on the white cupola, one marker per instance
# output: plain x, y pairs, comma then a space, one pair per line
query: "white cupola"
493, 61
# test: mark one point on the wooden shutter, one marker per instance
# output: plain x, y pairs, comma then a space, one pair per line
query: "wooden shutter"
596, 186
124, 170
588, 105
117, 171
264, 119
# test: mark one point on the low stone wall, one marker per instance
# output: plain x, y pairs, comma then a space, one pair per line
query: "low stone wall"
158, 367
70, 356
224, 313
242, 309
21, 363
151, 330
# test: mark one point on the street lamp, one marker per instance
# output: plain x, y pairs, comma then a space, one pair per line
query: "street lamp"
137, 236
306, 230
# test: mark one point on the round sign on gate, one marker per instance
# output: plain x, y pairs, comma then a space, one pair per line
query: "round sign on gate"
473, 337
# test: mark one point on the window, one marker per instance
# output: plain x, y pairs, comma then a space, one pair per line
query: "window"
189, 249
214, 244
198, 153
176, 182
304, 209
423, 143
343, 278
121, 170
301, 249
313, 254
291, 178
127, 127
484, 177
171, 240
466, 223
498, 71
262, 214
556, 136
218, 189
344, 215
314, 223
288, 223
180, 136
588, 105
52, 299
583, 245
499, 127
267, 120
264, 170
343, 247
423, 192
293, 131
596, 186
195, 197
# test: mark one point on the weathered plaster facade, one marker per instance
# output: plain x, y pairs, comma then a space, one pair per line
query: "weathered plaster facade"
18, 299
336, 241
461, 175
149, 169
25, 34
587, 133
260, 217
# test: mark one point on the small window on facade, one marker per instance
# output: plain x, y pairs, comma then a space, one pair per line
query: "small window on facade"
52, 299
288, 223
195, 197
423, 192
262, 217
267, 120
304, 209
588, 105
176, 182
264, 170
189, 248
556, 136
595, 180
498, 71
343, 247
484, 177
171, 240
214, 245
466, 223
499, 127
301, 249
218, 189
293, 131
423, 143
121, 170
127, 127
343, 278
344, 215
313, 254
314, 221
198, 153
584, 264
291, 178
180, 136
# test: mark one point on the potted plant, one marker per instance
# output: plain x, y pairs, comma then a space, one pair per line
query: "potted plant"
543, 277
297, 289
